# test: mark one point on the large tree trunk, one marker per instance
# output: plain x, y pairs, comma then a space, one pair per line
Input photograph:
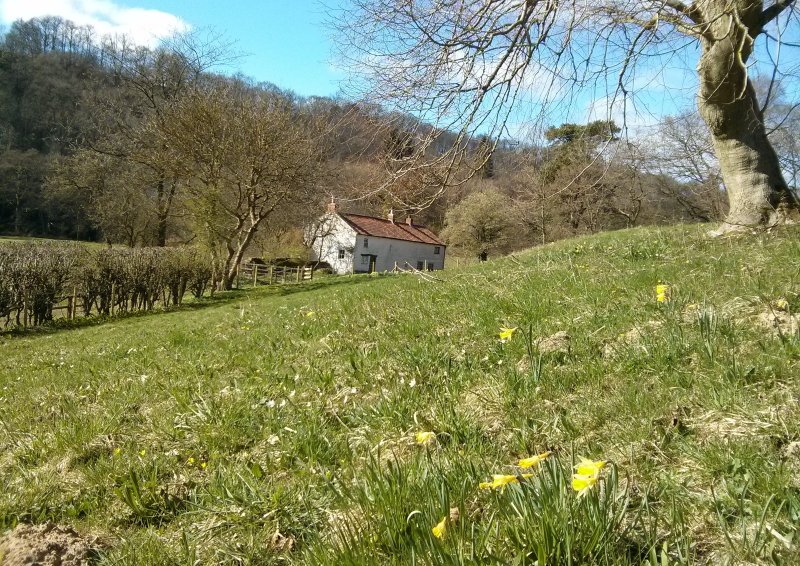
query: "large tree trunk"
757, 191
235, 255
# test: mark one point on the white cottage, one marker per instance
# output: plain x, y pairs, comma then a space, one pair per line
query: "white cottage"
354, 243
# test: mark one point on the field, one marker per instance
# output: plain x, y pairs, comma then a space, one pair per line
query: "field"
279, 425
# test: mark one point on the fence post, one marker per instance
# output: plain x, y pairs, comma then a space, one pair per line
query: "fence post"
283, 274
25, 310
238, 276
113, 289
299, 269
271, 271
74, 302
254, 267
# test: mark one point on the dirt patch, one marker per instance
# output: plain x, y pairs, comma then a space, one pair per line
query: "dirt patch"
778, 322
692, 311
46, 545
715, 426
558, 343
792, 450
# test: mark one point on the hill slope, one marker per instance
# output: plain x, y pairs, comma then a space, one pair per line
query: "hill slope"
279, 426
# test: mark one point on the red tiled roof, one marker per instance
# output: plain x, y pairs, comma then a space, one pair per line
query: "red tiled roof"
380, 228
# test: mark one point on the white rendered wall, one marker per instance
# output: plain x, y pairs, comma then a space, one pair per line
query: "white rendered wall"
336, 234
390, 251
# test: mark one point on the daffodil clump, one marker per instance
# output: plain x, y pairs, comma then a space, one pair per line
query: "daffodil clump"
662, 293
587, 472
500, 481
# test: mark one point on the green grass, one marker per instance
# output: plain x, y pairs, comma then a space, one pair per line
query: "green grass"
6, 240
276, 426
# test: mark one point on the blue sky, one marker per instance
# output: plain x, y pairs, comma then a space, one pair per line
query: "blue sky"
285, 41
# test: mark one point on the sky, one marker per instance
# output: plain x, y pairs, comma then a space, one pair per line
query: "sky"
284, 42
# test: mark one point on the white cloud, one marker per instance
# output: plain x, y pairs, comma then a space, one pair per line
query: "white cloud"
144, 27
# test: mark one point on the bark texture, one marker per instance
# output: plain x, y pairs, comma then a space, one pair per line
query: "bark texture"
759, 195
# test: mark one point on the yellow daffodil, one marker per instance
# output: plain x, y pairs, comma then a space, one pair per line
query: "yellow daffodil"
507, 333
440, 529
781, 304
117, 451
142, 452
588, 467
190, 461
662, 293
309, 314
533, 460
586, 474
502, 480
583, 483
425, 437
203, 465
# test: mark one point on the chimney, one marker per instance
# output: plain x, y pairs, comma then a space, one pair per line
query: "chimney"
390, 216
408, 220
332, 206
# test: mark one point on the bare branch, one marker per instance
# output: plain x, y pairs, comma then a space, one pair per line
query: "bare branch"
774, 11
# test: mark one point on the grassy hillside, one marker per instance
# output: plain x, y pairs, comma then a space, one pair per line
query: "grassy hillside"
279, 425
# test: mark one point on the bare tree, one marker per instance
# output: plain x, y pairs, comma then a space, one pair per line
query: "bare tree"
683, 149
148, 82
782, 119
469, 65
245, 152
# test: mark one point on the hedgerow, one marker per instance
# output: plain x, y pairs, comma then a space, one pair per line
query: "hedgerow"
38, 279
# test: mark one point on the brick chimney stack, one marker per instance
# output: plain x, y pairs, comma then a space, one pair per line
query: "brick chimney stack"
332, 206
390, 216
408, 220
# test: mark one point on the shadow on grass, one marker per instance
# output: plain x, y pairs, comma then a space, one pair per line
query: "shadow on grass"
337, 281
219, 298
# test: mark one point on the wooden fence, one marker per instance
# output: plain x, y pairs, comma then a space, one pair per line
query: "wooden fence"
255, 274
75, 305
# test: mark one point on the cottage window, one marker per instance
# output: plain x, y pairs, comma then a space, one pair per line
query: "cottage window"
341, 253
366, 243
420, 265
436, 250
364, 259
